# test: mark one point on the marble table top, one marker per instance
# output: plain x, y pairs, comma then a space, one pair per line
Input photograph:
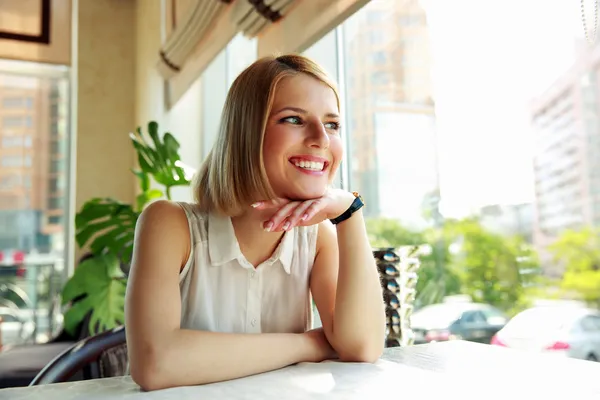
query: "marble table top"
449, 369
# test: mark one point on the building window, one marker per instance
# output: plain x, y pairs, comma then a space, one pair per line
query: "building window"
13, 122
55, 203
11, 161
55, 219
12, 102
12, 141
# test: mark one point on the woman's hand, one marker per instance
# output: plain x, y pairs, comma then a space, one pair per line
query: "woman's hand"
318, 347
303, 213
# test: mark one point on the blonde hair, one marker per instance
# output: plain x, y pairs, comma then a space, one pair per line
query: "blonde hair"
233, 175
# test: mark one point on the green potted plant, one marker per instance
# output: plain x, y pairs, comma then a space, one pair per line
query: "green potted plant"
97, 287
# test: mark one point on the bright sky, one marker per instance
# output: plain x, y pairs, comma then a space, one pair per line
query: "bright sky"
490, 58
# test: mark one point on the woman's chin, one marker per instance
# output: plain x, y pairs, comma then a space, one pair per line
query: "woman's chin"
308, 194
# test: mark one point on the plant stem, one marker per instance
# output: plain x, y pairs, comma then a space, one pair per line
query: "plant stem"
168, 192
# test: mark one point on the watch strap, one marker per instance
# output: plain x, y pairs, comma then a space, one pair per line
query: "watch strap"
356, 205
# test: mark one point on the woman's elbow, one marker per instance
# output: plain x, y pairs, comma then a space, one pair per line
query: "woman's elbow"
362, 354
145, 371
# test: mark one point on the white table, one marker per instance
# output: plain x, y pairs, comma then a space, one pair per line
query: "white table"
441, 370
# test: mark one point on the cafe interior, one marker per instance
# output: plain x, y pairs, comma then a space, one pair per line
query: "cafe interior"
95, 91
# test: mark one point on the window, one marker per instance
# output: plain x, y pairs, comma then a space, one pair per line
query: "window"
428, 162
13, 122
55, 219
216, 80
590, 324
56, 184
56, 166
55, 203
12, 102
11, 161
26, 92
12, 141
10, 181
473, 317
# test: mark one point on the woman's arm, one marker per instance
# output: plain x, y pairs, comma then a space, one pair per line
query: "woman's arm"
161, 354
347, 291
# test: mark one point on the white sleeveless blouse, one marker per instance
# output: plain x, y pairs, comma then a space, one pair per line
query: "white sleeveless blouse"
222, 292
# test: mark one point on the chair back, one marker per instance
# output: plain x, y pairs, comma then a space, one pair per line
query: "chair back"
398, 272
99, 352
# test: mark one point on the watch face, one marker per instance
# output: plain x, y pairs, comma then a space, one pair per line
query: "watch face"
359, 197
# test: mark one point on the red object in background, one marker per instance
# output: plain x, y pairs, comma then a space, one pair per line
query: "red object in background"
497, 342
558, 346
18, 257
437, 336
1, 256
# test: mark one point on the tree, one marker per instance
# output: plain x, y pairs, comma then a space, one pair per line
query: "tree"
491, 268
579, 252
434, 283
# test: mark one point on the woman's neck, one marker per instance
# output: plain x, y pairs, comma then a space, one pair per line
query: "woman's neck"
257, 245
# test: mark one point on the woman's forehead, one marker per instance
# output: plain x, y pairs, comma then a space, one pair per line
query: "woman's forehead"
304, 91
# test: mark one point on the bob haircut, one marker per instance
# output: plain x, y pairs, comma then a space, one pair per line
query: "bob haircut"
233, 176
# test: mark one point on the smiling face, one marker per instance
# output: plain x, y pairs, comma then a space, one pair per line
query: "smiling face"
302, 148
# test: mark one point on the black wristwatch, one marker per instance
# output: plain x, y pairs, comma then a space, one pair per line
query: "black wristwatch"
356, 205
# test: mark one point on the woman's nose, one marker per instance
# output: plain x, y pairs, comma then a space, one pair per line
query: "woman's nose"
317, 136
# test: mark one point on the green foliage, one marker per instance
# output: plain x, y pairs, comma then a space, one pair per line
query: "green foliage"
102, 283
490, 268
108, 226
435, 280
579, 253
493, 269
158, 160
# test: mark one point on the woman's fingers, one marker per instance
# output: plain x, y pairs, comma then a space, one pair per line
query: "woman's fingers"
266, 204
311, 211
278, 221
295, 214
299, 215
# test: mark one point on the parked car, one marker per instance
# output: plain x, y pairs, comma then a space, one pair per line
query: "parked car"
474, 322
14, 329
563, 330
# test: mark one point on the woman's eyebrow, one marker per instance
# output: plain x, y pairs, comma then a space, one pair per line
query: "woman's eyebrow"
303, 111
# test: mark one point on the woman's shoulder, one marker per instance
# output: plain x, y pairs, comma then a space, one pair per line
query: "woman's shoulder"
163, 212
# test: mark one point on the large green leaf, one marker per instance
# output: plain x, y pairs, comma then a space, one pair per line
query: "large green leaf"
103, 284
108, 225
159, 158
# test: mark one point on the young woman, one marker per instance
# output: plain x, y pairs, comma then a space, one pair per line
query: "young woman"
222, 288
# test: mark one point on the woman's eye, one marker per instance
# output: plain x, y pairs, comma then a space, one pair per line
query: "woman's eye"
292, 120
332, 125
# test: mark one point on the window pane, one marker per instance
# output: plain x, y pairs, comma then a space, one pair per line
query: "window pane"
34, 134
393, 156
325, 52
497, 169
217, 79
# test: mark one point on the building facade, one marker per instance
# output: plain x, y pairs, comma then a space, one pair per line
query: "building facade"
393, 153
565, 121
33, 152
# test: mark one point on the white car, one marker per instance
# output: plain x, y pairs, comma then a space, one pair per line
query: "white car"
13, 329
568, 331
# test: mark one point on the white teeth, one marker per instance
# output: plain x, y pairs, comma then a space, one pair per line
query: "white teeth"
310, 165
